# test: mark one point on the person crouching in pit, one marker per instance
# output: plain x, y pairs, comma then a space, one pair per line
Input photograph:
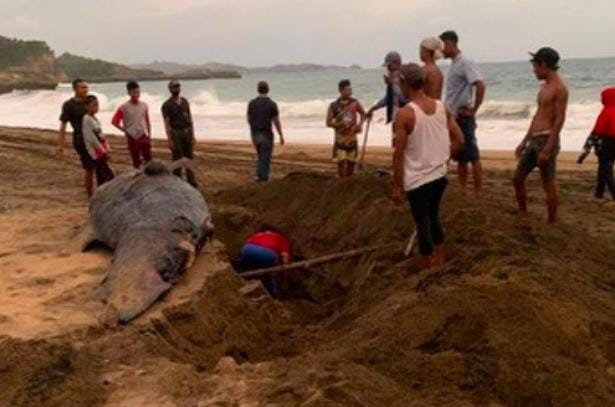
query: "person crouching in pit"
427, 136
266, 248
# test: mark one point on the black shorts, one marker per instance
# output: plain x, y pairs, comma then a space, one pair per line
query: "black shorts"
470, 152
86, 161
529, 158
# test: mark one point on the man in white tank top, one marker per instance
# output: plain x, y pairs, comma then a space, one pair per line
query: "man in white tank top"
427, 136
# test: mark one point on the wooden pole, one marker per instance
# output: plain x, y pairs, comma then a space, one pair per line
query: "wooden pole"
364, 148
411, 245
313, 262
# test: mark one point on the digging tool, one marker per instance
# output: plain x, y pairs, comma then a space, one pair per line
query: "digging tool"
314, 262
364, 148
411, 245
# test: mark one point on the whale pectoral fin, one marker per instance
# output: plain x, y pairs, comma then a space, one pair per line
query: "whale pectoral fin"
133, 293
190, 250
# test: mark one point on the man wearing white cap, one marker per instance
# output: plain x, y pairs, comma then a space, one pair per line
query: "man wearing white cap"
430, 51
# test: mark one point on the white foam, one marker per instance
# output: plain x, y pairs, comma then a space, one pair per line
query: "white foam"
501, 123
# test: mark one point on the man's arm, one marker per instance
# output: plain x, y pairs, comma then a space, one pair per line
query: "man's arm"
560, 102
404, 124
116, 121
479, 95
61, 138
278, 127
167, 130
455, 134
362, 115
148, 123
329, 120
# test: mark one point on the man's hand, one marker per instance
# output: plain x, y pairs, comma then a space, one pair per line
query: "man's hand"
369, 113
398, 195
466, 111
109, 158
519, 150
282, 141
171, 144
543, 158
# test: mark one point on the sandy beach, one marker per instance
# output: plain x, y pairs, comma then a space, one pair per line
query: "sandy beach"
522, 314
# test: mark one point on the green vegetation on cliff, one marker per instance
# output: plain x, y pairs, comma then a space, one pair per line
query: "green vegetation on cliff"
16, 53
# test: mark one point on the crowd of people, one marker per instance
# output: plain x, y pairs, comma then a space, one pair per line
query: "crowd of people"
426, 132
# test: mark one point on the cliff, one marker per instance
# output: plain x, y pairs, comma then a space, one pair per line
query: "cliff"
27, 65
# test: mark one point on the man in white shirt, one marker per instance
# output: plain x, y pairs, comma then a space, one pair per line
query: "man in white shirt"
427, 136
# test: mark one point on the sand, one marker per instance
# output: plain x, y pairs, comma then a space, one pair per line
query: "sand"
522, 314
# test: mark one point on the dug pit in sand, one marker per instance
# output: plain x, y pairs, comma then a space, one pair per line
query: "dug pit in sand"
156, 223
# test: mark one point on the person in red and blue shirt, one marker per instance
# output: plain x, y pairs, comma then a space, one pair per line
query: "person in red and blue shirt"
602, 140
263, 249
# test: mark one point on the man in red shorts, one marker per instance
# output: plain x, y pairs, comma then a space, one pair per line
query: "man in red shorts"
132, 119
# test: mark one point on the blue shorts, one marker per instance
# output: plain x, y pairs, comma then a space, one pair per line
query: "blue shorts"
469, 152
255, 257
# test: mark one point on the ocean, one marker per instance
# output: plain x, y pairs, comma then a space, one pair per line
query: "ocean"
219, 106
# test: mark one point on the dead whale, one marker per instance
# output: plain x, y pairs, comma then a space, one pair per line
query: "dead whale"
155, 223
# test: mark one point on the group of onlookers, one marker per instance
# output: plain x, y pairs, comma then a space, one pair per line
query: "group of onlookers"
132, 118
426, 133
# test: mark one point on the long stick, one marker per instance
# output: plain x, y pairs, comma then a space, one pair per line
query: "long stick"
313, 262
411, 245
362, 158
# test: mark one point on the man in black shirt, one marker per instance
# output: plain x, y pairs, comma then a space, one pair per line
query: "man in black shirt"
179, 128
73, 111
262, 113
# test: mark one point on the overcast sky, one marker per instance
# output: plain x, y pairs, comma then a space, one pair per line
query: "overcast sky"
266, 32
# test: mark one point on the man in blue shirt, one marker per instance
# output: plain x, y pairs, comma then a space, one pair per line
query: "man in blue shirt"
394, 98
465, 92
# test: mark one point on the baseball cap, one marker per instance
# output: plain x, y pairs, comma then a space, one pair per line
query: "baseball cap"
173, 83
546, 55
390, 57
433, 44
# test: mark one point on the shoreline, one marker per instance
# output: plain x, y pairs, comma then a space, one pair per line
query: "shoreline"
380, 155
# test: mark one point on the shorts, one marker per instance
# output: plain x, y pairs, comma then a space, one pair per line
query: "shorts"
86, 161
529, 159
141, 147
104, 173
345, 152
469, 153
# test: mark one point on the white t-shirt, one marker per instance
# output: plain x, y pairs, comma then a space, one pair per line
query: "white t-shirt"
428, 148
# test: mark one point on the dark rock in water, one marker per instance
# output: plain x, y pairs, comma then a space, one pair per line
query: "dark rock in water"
155, 223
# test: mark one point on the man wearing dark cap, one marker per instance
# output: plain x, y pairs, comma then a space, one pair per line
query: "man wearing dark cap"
394, 98
540, 146
262, 113
178, 125
465, 91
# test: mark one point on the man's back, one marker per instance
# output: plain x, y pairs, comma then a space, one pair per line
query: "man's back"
261, 112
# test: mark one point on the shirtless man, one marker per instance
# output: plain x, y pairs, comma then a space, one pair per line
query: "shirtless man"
430, 51
540, 146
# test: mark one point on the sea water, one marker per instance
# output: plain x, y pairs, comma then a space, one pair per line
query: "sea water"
219, 106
